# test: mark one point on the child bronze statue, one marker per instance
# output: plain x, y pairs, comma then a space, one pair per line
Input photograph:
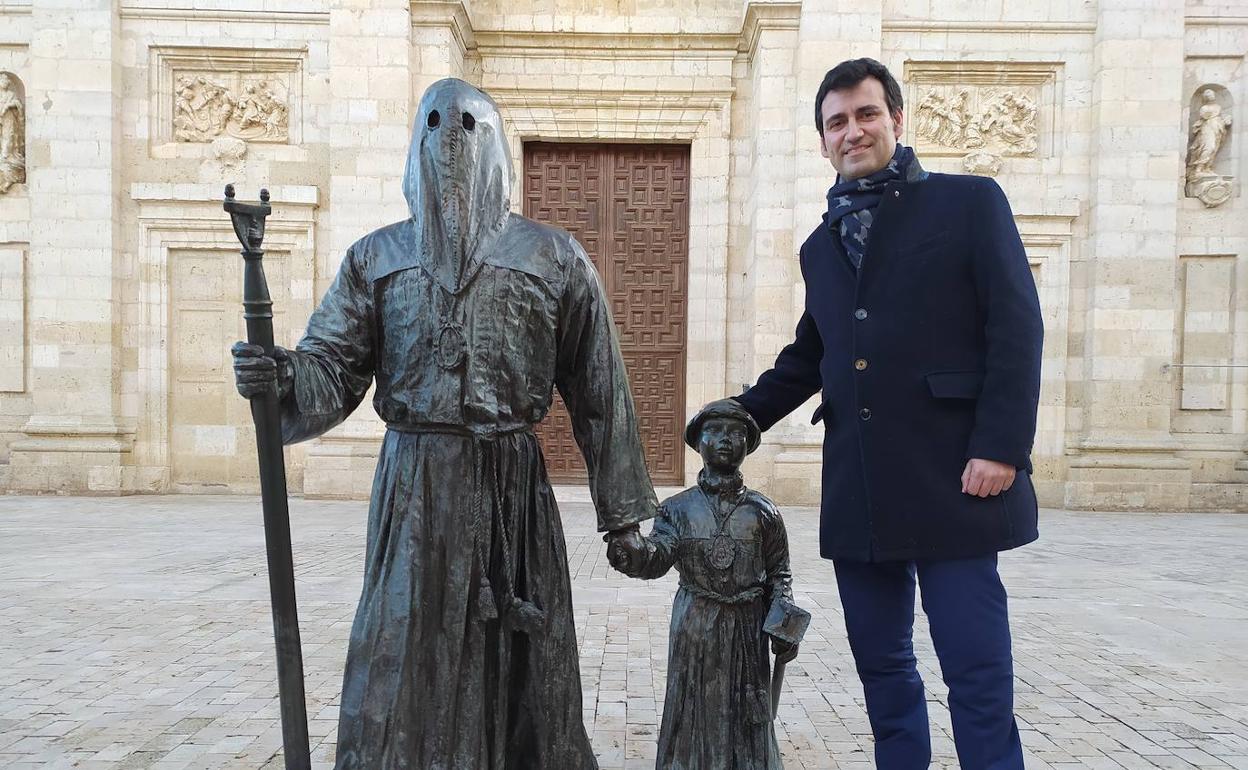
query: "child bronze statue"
729, 545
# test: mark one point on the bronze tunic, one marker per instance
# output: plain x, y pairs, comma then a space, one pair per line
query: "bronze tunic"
730, 548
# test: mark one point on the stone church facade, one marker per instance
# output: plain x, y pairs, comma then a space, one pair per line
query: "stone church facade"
675, 138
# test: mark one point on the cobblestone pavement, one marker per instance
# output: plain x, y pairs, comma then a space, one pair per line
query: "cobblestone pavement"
135, 633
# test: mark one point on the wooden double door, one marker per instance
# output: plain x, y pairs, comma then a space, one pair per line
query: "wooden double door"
628, 205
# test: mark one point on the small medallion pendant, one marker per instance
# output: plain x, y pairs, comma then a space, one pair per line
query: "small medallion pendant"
450, 346
721, 551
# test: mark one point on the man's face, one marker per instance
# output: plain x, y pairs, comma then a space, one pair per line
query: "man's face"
859, 134
723, 443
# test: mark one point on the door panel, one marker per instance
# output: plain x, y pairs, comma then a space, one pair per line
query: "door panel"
628, 205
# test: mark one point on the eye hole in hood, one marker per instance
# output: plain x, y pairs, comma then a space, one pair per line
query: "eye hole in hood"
457, 183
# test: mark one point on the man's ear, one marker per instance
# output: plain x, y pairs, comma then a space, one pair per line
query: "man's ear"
899, 122
823, 148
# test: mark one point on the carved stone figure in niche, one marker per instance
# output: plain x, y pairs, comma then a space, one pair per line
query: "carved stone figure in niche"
204, 110
992, 122
1208, 133
1209, 130
12, 134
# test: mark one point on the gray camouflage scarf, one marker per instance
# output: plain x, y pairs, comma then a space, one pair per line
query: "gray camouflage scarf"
851, 204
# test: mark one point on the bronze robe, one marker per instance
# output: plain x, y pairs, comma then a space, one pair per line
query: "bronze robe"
716, 712
461, 492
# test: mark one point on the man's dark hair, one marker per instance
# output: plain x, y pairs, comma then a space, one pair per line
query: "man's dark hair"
850, 73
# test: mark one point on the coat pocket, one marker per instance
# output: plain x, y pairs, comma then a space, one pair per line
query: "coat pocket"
961, 384
819, 413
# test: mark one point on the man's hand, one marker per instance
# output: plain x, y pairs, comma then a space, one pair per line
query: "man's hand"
255, 373
784, 651
625, 549
985, 478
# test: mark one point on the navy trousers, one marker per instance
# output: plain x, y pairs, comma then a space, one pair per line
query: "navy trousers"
966, 610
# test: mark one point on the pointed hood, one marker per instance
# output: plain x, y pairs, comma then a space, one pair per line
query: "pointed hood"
458, 180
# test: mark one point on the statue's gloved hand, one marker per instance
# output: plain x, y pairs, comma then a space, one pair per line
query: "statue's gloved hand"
255, 373
784, 651
626, 549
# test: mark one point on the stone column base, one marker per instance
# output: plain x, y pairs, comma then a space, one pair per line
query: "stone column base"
70, 458
1129, 478
340, 467
1219, 479
797, 476
789, 470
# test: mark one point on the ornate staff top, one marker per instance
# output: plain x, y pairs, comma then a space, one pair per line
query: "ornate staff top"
248, 219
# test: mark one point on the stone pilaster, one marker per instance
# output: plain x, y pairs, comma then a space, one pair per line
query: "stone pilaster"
829, 32
1124, 456
442, 37
370, 124
72, 442
769, 266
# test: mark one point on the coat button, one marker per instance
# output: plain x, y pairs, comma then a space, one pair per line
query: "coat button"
860, 364
864, 413
896, 193
860, 314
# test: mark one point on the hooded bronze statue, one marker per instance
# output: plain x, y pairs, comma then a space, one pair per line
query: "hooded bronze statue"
463, 653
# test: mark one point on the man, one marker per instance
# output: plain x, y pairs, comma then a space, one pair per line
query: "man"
922, 330
463, 652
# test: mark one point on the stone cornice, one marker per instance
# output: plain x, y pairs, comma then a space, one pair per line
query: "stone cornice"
196, 192
1216, 21
446, 13
766, 15
13, 8
624, 115
544, 97
218, 15
989, 27
627, 45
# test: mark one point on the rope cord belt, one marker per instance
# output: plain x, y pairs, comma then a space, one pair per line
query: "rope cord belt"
748, 595
520, 614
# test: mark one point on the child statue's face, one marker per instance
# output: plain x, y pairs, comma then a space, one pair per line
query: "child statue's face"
723, 443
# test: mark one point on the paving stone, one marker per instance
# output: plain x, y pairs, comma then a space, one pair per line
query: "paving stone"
135, 634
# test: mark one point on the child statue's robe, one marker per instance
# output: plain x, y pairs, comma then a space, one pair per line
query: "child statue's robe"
730, 548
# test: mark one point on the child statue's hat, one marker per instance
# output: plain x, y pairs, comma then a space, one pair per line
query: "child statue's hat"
727, 408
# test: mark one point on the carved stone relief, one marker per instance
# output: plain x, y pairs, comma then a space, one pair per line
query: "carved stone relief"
982, 163
12, 132
200, 95
990, 123
1209, 130
982, 112
249, 107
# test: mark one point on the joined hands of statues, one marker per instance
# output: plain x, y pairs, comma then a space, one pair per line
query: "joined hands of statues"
255, 373
625, 549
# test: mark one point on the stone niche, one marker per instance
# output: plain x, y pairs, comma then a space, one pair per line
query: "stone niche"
982, 112
201, 97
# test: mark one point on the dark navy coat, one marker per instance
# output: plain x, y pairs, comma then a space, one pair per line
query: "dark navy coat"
926, 357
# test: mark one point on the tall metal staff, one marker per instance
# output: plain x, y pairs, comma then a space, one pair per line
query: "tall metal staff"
248, 219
